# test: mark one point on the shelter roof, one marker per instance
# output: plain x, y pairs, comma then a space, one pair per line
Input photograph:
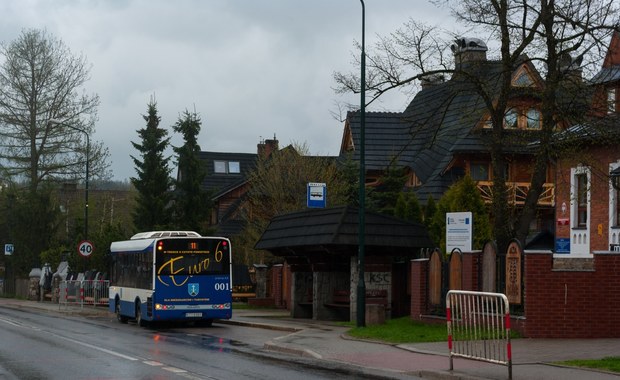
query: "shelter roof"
335, 231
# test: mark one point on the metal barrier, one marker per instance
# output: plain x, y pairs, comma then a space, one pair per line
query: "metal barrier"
479, 327
84, 292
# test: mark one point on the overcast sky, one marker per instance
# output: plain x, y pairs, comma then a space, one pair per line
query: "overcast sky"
250, 68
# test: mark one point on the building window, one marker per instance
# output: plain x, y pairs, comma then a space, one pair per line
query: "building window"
611, 100
522, 118
581, 181
614, 199
479, 171
511, 119
616, 208
219, 166
533, 118
523, 78
224, 167
233, 167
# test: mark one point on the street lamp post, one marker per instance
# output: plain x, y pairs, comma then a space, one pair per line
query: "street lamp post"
361, 286
53, 121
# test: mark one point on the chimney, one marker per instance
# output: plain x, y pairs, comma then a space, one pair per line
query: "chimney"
571, 67
432, 80
266, 147
467, 51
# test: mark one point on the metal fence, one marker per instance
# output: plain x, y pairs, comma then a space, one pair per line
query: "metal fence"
479, 327
84, 292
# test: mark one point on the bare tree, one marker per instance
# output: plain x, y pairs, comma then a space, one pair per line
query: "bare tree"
46, 118
559, 38
278, 185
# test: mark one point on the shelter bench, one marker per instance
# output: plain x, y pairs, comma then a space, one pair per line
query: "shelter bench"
243, 296
342, 298
307, 302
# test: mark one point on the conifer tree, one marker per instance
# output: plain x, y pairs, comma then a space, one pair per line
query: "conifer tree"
413, 211
429, 210
462, 196
400, 209
153, 182
383, 197
192, 204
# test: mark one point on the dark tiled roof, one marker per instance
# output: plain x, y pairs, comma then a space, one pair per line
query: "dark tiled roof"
221, 183
607, 75
598, 131
230, 227
439, 122
336, 230
387, 136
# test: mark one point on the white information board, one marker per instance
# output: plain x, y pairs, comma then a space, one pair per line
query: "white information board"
459, 231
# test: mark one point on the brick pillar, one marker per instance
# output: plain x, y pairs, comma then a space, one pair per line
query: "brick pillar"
419, 291
276, 285
471, 263
261, 280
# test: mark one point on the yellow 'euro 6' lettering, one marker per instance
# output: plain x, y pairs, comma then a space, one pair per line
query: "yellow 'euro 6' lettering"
201, 266
218, 253
173, 272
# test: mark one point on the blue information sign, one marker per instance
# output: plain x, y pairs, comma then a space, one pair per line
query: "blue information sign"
562, 245
317, 195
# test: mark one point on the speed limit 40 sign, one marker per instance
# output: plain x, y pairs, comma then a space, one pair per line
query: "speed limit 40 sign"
85, 248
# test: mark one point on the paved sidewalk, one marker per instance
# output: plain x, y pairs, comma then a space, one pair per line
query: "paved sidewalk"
532, 358
326, 341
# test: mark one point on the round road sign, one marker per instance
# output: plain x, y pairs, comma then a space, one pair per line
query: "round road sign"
85, 248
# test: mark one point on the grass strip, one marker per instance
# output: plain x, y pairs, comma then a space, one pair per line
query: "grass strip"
611, 363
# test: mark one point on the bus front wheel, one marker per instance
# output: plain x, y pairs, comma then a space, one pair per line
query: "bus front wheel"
119, 317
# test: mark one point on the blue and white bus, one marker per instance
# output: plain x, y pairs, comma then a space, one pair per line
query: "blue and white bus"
171, 276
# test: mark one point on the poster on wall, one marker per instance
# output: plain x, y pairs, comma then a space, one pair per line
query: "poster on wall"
459, 231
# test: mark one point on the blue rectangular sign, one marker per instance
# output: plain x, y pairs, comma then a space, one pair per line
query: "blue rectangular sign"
562, 245
317, 195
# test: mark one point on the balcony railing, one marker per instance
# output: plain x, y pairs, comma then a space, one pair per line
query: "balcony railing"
517, 191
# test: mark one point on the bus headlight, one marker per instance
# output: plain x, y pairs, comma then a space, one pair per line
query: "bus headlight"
159, 306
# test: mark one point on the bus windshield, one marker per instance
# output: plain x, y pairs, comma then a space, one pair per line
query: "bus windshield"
191, 257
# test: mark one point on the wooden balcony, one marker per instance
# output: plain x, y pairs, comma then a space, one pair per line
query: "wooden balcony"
517, 191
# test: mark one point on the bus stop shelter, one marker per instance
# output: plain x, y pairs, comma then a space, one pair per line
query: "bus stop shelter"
321, 246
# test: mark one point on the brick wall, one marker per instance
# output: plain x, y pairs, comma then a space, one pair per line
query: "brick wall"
559, 303
419, 289
598, 161
276, 286
471, 264
572, 304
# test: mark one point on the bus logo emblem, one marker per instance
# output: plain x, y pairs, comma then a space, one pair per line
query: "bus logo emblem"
193, 289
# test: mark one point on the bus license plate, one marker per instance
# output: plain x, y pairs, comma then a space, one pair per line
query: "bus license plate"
193, 315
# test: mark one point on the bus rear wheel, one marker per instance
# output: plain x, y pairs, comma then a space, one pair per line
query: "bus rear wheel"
139, 320
119, 317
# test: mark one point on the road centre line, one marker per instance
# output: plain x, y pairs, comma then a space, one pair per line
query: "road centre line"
110, 352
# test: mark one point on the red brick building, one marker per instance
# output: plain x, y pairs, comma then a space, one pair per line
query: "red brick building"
588, 205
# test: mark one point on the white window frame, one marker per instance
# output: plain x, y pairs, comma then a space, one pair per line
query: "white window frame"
220, 167
226, 167
580, 236
234, 167
614, 224
611, 100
